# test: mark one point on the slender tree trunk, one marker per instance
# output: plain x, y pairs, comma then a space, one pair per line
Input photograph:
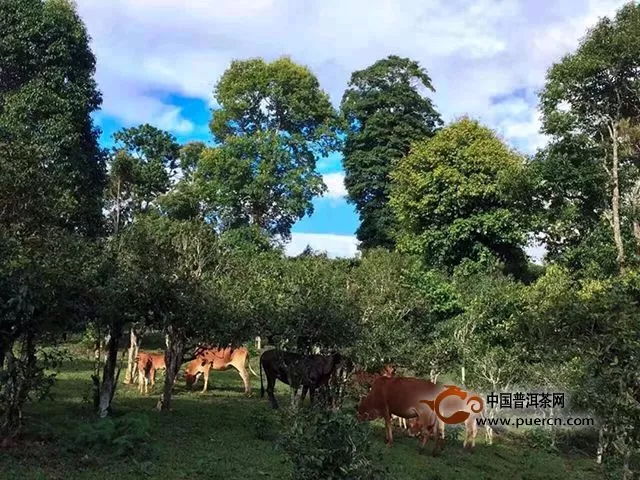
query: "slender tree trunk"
133, 353
173, 359
433, 375
627, 473
615, 198
601, 445
107, 389
258, 343
463, 374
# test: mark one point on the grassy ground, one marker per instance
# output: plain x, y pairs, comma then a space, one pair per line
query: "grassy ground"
220, 434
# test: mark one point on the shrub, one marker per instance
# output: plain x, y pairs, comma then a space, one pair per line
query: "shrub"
121, 436
325, 444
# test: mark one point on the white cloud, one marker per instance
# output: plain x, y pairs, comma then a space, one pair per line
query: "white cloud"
473, 50
336, 189
344, 246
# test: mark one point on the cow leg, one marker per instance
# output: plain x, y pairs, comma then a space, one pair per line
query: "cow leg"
205, 376
312, 395
471, 430
304, 393
245, 379
271, 382
388, 430
438, 429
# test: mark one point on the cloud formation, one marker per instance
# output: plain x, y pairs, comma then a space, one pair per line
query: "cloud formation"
336, 189
474, 51
336, 246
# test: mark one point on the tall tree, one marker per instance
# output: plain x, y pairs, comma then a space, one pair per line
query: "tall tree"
140, 169
595, 92
462, 194
52, 173
273, 122
385, 111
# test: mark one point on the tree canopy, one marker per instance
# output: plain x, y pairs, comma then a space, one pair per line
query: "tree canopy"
461, 195
385, 110
273, 122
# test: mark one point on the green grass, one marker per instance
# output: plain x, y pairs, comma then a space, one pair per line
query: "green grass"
220, 434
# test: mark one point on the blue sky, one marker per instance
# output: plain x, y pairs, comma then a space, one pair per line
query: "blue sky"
158, 62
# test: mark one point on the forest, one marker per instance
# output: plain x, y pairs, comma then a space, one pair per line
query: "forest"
103, 247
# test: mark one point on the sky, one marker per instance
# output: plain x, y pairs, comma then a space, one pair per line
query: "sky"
158, 62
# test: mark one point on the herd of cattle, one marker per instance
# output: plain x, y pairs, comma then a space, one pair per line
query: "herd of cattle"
410, 401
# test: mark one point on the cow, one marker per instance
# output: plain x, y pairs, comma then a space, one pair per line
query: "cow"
294, 369
219, 359
409, 398
148, 364
401, 396
365, 379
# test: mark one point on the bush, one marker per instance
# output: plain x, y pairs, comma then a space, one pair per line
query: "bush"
265, 426
325, 444
123, 436
540, 438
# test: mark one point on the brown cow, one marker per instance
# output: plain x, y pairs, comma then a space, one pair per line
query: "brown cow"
219, 359
365, 379
400, 396
148, 364
408, 397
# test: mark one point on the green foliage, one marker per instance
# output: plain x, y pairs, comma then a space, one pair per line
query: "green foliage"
591, 108
385, 112
273, 122
139, 171
462, 195
323, 444
51, 169
124, 436
541, 438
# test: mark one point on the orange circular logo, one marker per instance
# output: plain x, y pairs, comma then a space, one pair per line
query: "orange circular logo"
473, 403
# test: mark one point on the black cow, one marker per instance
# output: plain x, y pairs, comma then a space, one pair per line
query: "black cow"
309, 371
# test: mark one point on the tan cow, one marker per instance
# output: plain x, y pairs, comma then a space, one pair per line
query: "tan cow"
148, 364
433, 405
219, 359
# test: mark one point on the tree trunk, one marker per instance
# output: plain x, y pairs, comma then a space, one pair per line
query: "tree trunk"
463, 374
173, 359
615, 198
627, 473
601, 445
433, 375
258, 343
133, 353
107, 389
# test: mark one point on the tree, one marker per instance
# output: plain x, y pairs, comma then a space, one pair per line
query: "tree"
171, 285
385, 112
52, 173
140, 170
462, 194
273, 122
594, 93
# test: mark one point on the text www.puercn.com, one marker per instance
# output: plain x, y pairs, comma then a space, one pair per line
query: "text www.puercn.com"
536, 422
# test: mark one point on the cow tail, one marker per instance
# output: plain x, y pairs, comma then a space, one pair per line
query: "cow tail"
261, 384
251, 369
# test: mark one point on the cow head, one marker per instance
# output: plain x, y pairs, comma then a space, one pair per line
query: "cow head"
366, 410
194, 368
